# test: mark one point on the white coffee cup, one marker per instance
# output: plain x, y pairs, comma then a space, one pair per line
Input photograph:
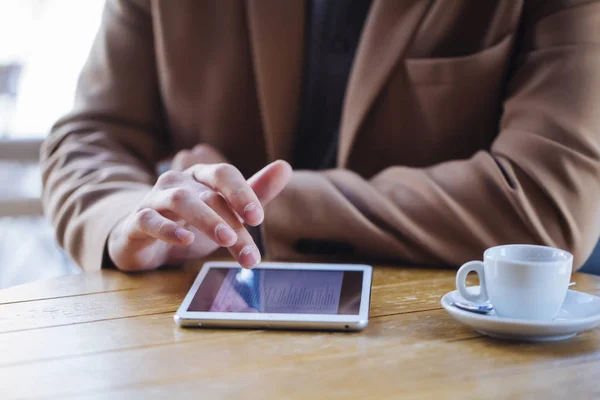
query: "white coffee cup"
520, 281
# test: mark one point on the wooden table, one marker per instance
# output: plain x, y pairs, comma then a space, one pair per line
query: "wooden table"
111, 335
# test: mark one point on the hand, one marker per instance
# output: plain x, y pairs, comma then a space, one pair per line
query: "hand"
190, 213
201, 154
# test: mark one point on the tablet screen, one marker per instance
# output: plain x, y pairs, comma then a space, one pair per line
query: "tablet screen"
288, 291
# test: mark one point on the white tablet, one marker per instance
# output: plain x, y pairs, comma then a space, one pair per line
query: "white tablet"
279, 296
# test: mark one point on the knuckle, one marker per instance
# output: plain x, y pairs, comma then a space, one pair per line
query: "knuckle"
201, 148
241, 192
181, 159
204, 220
144, 217
163, 228
184, 153
210, 197
168, 178
223, 171
177, 196
238, 228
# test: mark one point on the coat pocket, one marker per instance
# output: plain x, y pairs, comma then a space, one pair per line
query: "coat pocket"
486, 65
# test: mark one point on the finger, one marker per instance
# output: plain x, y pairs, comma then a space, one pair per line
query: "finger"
244, 250
229, 181
149, 223
271, 180
182, 161
192, 208
170, 179
208, 154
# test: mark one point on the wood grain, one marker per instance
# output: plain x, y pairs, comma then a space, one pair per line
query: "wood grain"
275, 364
92, 282
111, 335
159, 330
166, 297
578, 381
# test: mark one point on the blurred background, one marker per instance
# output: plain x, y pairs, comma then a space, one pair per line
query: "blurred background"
43, 45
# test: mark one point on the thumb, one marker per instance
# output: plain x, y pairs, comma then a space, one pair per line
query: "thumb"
271, 180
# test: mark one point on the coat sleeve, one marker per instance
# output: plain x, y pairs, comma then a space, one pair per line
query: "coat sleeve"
539, 182
98, 161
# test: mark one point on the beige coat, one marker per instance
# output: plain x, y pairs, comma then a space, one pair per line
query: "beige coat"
466, 124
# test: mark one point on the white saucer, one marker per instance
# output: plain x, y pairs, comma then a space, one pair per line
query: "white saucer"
580, 312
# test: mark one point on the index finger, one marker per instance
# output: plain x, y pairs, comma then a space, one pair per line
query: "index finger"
229, 181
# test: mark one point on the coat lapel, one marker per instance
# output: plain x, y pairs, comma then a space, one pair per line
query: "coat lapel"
277, 41
388, 32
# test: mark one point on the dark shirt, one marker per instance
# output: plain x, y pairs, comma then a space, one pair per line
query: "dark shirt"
333, 30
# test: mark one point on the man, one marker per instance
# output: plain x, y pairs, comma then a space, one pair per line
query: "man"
419, 131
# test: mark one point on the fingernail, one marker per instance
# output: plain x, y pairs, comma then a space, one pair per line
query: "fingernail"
226, 235
184, 235
249, 256
253, 214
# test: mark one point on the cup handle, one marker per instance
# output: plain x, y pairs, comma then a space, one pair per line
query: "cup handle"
461, 278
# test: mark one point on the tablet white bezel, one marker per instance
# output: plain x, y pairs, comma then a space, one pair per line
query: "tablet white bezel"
361, 317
